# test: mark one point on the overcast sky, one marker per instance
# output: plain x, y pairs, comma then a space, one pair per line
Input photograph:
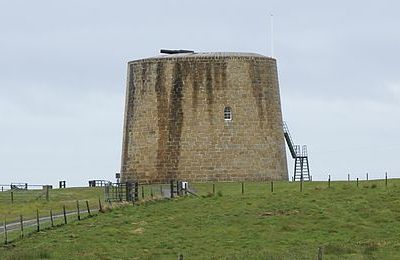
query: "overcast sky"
63, 73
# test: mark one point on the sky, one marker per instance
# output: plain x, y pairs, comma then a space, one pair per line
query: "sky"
63, 74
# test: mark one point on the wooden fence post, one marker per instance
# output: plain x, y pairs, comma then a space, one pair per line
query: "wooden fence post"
65, 215
21, 221
77, 207
88, 208
367, 176
386, 180
12, 197
301, 184
51, 218
357, 182
37, 220
348, 177
329, 181
161, 192
5, 231
47, 192
242, 188
319, 253
213, 188
151, 192
272, 186
100, 207
142, 192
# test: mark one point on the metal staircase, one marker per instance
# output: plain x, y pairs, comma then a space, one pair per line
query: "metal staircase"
300, 155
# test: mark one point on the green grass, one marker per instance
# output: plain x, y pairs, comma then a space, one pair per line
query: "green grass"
27, 202
346, 221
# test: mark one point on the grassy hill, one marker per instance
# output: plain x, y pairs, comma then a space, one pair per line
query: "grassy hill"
26, 202
347, 221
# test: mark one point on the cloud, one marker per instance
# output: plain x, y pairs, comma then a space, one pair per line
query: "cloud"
63, 71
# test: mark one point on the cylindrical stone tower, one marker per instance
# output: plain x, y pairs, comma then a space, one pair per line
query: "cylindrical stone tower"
203, 117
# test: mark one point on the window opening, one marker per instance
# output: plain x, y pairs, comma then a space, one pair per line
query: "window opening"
228, 114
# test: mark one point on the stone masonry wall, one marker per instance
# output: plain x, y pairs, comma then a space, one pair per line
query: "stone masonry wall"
174, 120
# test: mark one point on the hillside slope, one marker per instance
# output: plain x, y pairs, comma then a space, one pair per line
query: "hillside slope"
347, 221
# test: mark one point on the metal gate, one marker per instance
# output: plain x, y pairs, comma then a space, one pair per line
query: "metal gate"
125, 191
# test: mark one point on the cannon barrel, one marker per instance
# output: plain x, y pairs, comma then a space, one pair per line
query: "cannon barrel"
175, 51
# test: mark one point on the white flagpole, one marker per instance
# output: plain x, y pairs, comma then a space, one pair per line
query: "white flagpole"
272, 34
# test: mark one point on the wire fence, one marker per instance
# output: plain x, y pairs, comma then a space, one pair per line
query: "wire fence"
17, 228
13, 229
23, 186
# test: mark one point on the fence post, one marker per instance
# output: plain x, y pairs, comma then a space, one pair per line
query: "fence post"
47, 192
172, 189
357, 182
386, 180
77, 207
136, 191
242, 188
12, 197
178, 192
65, 215
100, 207
272, 186
142, 191
161, 193
348, 177
127, 187
120, 190
319, 253
367, 176
21, 221
51, 218
213, 188
301, 184
5, 231
88, 208
329, 181
37, 220
151, 192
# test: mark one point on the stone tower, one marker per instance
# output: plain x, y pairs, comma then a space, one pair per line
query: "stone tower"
203, 117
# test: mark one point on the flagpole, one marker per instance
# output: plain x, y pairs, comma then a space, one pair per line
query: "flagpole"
272, 34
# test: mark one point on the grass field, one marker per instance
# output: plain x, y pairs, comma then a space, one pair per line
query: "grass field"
27, 202
347, 221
